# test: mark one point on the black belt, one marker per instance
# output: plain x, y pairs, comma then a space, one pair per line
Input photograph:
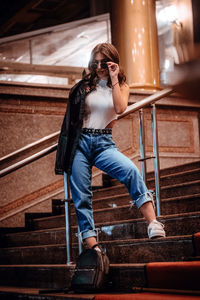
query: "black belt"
96, 131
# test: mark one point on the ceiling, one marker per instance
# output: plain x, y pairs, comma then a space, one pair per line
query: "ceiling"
19, 16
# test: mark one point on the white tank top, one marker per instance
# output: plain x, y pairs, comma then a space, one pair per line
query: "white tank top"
99, 111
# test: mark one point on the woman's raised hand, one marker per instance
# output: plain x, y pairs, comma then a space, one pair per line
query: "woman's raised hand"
113, 69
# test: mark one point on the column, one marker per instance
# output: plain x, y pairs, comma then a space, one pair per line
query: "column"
134, 33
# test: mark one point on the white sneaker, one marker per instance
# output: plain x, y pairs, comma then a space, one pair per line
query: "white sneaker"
155, 229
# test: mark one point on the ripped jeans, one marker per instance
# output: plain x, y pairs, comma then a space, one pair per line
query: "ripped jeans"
99, 150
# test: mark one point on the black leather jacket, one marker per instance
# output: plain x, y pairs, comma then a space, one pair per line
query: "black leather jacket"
71, 127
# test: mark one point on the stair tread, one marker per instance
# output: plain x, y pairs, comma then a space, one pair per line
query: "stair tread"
128, 195
139, 294
171, 216
165, 217
180, 184
114, 266
174, 168
106, 209
147, 240
134, 271
35, 291
115, 187
64, 266
121, 241
181, 197
72, 266
170, 175
176, 174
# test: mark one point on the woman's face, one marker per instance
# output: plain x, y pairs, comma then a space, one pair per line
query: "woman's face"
101, 66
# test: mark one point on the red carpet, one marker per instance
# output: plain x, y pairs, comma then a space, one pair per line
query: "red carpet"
174, 275
146, 296
196, 243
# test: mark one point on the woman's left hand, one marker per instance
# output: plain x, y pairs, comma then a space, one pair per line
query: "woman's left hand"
113, 69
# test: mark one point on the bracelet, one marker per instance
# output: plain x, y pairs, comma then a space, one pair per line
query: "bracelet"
115, 84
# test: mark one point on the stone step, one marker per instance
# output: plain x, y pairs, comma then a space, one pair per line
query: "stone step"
184, 224
125, 199
108, 214
177, 178
175, 205
37, 276
167, 179
122, 276
180, 189
144, 250
14, 293
119, 251
109, 191
104, 202
31, 216
118, 195
178, 168
179, 205
174, 171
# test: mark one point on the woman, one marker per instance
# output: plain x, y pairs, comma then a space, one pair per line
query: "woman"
86, 140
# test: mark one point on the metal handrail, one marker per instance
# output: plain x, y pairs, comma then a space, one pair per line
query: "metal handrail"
32, 157
28, 160
145, 102
138, 106
29, 146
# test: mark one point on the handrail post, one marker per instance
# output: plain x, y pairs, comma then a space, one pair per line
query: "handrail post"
67, 218
156, 157
142, 144
79, 241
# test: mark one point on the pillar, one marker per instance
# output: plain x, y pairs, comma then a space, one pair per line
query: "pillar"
134, 33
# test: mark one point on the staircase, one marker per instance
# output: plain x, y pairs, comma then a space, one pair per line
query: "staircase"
34, 257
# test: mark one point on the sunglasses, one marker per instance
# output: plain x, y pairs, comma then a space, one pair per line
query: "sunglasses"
103, 64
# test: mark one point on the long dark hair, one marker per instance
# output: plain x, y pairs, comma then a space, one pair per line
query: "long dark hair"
110, 53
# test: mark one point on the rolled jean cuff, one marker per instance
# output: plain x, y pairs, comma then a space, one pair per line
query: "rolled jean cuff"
146, 197
88, 233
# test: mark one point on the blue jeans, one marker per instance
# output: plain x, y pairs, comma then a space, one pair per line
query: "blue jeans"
101, 151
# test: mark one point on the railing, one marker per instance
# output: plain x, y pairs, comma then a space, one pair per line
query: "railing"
72, 73
132, 108
29, 159
139, 106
